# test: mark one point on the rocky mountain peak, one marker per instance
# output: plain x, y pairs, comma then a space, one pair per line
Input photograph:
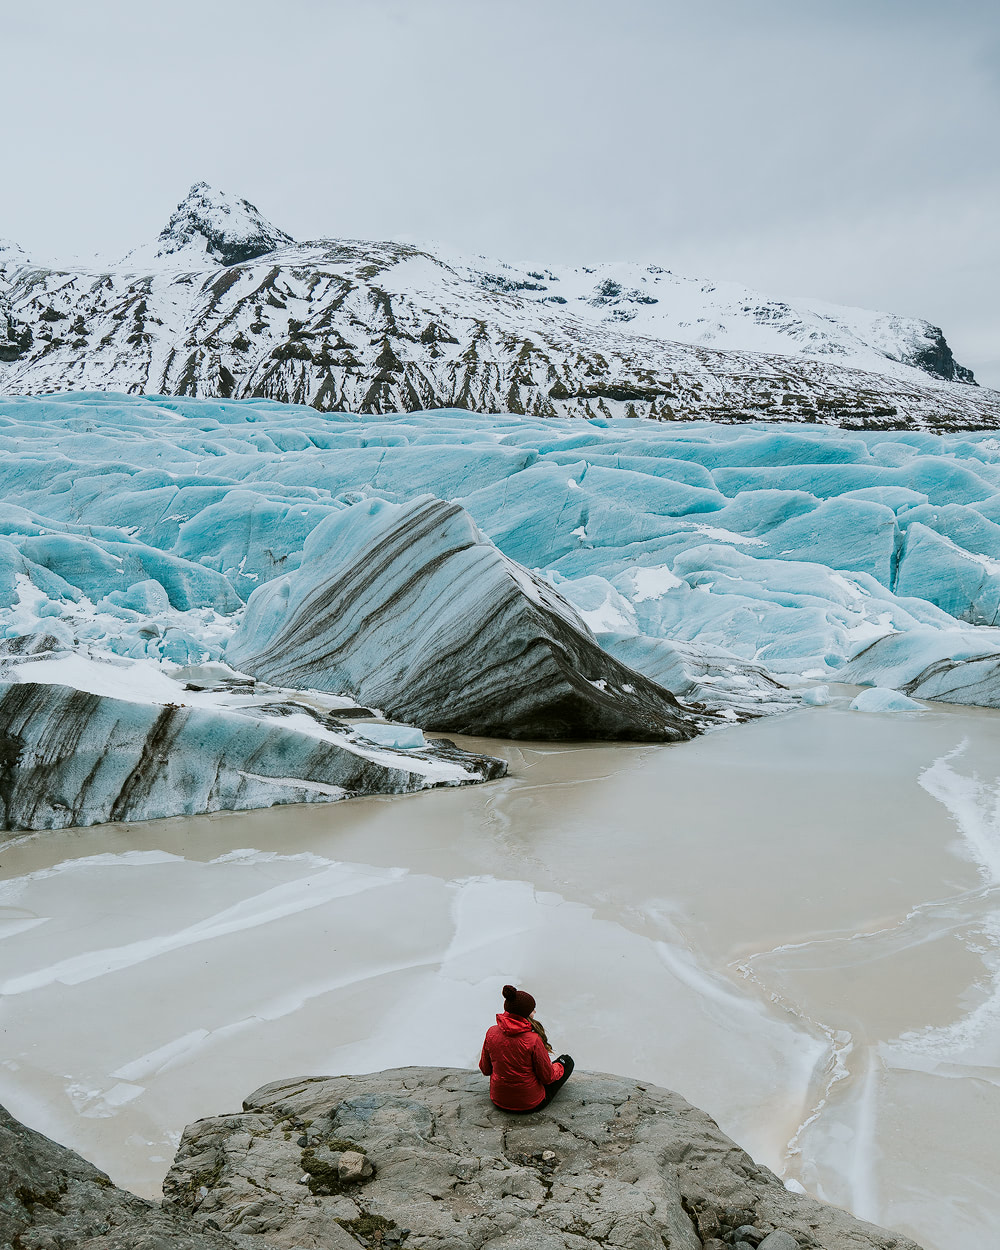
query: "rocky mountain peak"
225, 227
11, 253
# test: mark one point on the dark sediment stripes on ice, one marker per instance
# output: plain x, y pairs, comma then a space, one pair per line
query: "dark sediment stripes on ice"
410, 609
68, 757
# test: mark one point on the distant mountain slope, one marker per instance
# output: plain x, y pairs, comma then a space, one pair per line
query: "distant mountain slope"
224, 304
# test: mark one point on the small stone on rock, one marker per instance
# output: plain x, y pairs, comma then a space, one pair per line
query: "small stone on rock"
779, 1240
353, 1166
747, 1232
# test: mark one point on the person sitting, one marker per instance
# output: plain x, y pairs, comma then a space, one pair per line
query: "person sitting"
516, 1058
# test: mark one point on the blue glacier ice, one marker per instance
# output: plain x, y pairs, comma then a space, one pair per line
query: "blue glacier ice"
725, 562
401, 737
882, 699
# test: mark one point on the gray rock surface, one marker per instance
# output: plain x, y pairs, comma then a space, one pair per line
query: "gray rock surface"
611, 1162
68, 757
779, 1240
409, 608
51, 1199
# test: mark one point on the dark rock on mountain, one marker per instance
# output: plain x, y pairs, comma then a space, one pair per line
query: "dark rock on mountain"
612, 1162
938, 359
409, 608
68, 757
229, 229
15, 339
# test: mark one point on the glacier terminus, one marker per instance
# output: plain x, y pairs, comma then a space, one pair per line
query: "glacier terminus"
307, 573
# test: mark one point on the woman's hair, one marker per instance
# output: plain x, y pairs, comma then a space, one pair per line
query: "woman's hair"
540, 1030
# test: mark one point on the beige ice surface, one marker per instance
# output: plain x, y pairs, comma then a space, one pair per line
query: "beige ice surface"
792, 922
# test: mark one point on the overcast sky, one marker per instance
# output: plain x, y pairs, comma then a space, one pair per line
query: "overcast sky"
843, 149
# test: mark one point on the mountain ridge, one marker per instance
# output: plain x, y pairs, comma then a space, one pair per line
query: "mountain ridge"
224, 304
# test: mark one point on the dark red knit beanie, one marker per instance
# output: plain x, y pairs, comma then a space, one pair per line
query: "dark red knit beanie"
517, 1002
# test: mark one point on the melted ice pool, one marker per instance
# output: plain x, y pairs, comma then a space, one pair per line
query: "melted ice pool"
796, 923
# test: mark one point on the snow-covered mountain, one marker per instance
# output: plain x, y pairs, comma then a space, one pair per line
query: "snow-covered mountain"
223, 304
206, 227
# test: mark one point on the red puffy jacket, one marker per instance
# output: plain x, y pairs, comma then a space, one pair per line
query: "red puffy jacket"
518, 1065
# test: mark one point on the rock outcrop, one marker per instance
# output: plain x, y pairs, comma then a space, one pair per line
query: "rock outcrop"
70, 757
209, 226
419, 1157
409, 608
51, 1199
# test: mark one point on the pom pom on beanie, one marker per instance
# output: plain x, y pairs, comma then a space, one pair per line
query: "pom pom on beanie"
517, 1002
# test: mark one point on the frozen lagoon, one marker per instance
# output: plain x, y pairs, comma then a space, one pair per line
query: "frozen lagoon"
793, 922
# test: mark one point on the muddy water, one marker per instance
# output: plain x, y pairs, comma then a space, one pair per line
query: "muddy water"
795, 923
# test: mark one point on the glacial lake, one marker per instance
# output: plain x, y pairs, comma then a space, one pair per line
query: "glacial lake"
795, 923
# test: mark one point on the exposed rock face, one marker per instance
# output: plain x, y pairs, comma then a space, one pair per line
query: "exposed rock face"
222, 227
14, 339
68, 757
51, 1199
612, 1162
938, 359
410, 609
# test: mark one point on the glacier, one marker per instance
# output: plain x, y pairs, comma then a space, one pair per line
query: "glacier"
736, 567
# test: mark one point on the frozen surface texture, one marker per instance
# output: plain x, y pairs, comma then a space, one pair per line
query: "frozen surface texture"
223, 304
613, 1162
961, 667
407, 607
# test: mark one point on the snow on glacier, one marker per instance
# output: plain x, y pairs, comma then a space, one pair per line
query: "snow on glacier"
139, 526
